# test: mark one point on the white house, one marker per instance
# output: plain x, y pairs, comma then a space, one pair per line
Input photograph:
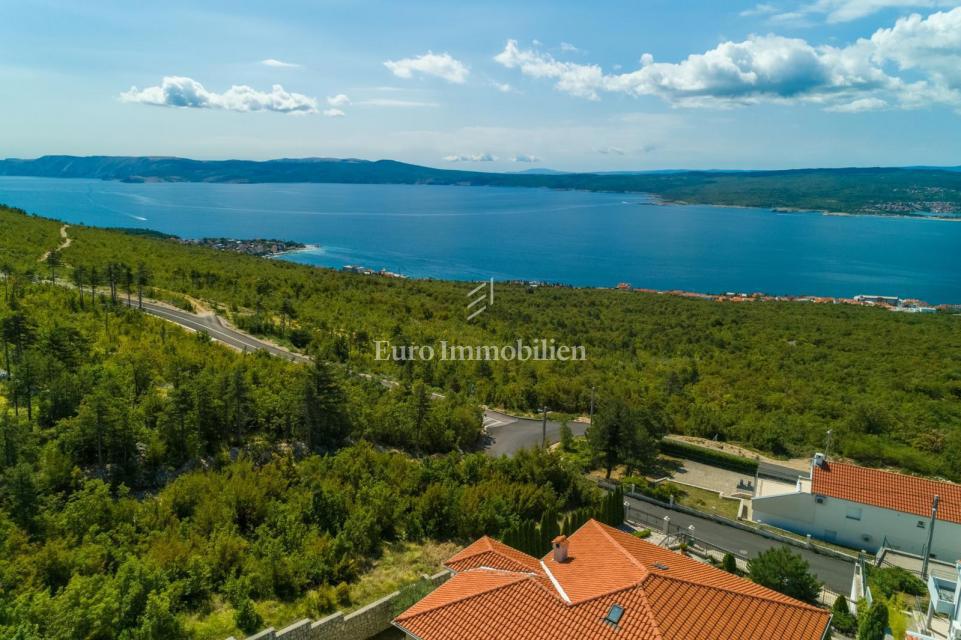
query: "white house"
867, 509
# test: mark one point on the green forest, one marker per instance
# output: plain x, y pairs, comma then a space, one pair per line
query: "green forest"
151, 476
775, 376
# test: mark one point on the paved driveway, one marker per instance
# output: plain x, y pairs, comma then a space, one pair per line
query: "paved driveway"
713, 478
506, 435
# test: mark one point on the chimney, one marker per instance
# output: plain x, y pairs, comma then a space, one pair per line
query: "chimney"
818, 459
560, 549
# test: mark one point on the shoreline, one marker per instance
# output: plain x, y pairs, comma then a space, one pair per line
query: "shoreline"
914, 305
656, 199
659, 201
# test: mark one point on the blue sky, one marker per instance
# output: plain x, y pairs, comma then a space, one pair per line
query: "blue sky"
489, 85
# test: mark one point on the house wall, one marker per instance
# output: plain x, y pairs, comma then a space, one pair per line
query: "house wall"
834, 520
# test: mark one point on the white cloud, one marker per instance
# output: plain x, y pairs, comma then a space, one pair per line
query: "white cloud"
503, 87
279, 64
474, 157
525, 157
390, 102
836, 11
340, 100
762, 9
869, 73
859, 105
567, 46
333, 113
440, 65
611, 151
177, 91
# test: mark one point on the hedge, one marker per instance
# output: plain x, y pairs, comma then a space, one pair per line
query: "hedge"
712, 457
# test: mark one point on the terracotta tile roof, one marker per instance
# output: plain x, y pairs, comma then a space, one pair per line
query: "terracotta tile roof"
664, 596
487, 552
887, 490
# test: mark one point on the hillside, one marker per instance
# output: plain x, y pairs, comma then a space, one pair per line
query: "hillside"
774, 376
879, 191
155, 485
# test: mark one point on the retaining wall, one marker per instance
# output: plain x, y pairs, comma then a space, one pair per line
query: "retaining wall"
357, 625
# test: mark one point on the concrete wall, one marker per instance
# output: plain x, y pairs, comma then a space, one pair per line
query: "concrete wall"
857, 525
357, 625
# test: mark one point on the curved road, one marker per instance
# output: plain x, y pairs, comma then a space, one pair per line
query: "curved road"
217, 329
503, 434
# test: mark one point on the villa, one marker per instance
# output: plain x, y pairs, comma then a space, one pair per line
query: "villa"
602, 583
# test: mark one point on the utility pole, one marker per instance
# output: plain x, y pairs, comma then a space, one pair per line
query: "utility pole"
592, 407
544, 428
927, 549
827, 446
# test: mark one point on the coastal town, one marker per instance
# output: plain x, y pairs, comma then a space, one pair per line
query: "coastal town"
258, 247
891, 303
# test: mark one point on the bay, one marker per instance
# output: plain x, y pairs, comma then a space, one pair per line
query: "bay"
577, 238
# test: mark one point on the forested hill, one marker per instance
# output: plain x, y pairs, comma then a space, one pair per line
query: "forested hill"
891, 191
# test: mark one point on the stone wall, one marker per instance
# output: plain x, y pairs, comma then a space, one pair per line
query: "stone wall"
357, 625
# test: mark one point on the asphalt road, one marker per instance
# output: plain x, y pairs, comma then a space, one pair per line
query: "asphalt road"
217, 330
833, 572
504, 434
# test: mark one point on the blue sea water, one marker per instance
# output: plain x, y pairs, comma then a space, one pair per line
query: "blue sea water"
579, 238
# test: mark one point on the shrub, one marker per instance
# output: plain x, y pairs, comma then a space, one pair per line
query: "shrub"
874, 623
842, 619
642, 534
887, 581
729, 563
343, 594
647, 488
567, 437
709, 456
247, 618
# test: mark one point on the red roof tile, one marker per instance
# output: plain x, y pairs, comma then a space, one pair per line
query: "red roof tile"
487, 552
664, 596
887, 490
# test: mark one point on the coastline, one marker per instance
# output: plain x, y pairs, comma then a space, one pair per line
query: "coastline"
660, 201
656, 199
522, 275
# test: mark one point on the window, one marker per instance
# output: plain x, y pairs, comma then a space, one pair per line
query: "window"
614, 614
854, 513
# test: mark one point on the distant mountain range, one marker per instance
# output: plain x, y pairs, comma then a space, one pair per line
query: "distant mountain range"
885, 191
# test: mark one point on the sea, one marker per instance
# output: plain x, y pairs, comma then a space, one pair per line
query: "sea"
571, 237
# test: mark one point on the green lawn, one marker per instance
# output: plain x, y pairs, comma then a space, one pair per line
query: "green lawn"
704, 500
